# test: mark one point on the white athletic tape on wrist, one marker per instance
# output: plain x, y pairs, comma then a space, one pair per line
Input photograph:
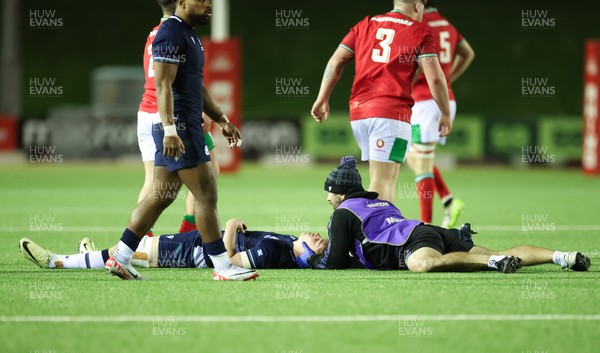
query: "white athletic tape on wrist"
223, 122
170, 130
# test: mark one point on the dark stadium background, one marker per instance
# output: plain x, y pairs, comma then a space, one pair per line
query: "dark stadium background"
113, 33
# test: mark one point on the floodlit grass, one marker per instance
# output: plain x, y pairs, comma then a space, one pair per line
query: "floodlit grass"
183, 309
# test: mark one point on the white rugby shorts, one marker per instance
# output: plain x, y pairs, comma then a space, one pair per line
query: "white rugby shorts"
382, 139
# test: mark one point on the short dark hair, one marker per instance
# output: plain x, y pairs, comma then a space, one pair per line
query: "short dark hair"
429, 3
167, 4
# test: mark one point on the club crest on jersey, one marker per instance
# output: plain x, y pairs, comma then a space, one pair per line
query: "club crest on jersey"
380, 143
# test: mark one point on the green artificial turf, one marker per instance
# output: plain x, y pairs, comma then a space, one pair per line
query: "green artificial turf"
345, 311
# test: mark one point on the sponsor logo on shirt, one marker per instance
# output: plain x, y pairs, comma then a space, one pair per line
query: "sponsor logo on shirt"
392, 19
391, 220
378, 204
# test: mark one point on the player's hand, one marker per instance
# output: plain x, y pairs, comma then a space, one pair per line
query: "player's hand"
444, 126
238, 224
206, 124
173, 147
302, 260
242, 227
232, 135
320, 110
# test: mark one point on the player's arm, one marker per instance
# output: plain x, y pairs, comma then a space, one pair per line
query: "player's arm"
164, 76
337, 254
439, 89
417, 74
229, 235
214, 112
463, 57
232, 227
333, 72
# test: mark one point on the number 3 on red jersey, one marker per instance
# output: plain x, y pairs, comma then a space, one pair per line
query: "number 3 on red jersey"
386, 36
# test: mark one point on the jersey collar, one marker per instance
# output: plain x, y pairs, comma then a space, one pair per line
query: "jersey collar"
399, 11
182, 21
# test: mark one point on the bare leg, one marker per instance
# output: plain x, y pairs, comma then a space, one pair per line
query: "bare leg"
165, 187
430, 260
189, 199
420, 159
148, 174
214, 163
201, 182
384, 177
530, 255
189, 203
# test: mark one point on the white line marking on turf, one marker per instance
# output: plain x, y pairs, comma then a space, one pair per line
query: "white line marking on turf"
489, 228
65, 229
334, 318
512, 228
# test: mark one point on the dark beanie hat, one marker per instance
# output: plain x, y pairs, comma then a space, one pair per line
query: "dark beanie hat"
344, 177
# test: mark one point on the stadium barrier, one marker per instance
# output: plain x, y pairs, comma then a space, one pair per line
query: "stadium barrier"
542, 140
539, 141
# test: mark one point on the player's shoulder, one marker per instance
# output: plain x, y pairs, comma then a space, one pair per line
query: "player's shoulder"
153, 32
278, 237
272, 247
421, 29
343, 214
362, 23
172, 24
155, 29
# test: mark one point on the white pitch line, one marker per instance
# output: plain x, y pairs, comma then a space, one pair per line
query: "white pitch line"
333, 318
63, 229
483, 228
527, 229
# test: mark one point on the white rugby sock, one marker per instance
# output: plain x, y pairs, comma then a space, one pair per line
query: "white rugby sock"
123, 253
93, 260
560, 258
220, 261
493, 259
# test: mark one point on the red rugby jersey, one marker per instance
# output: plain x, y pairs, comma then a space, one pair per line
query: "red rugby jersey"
446, 38
148, 103
386, 49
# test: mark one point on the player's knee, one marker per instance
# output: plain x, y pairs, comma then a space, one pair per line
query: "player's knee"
164, 196
166, 200
206, 197
420, 264
422, 157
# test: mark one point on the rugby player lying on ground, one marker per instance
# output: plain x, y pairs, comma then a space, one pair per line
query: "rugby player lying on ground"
245, 248
375, 232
